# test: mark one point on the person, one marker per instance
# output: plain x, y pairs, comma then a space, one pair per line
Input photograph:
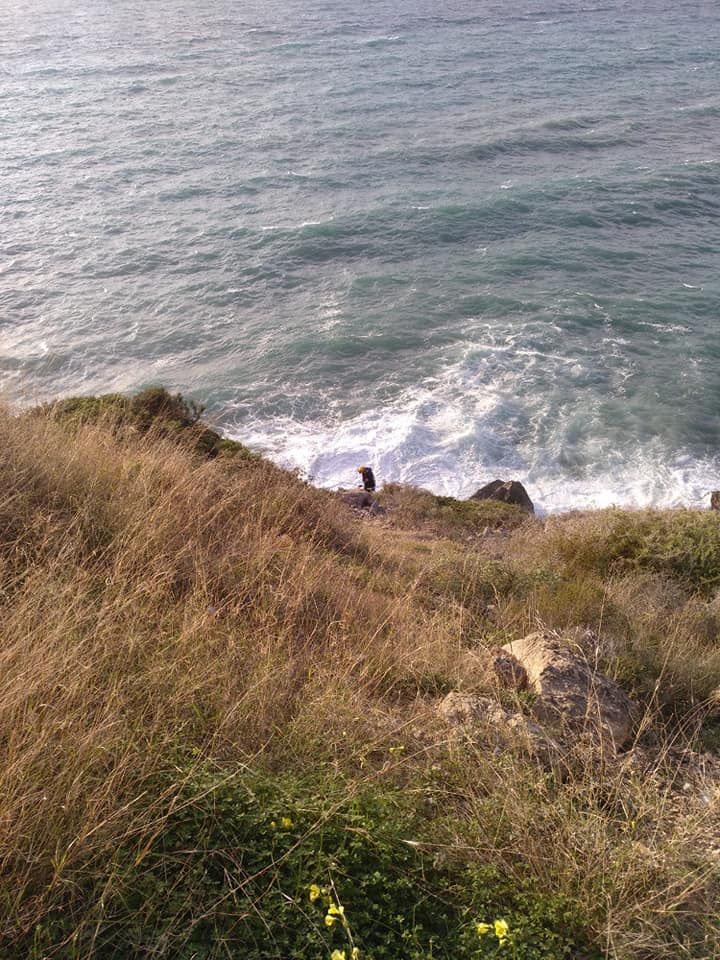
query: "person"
368, 478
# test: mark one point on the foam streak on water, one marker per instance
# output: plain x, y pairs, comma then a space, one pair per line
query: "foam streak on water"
458, 241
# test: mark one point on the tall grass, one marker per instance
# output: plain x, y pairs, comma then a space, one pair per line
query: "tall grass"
160, 611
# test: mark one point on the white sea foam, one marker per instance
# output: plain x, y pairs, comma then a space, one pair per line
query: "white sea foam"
377, 41
452, 446
296, 226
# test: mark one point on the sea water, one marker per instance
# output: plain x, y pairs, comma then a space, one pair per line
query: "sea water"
455, 241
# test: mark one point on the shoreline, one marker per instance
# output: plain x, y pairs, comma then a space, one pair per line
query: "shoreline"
694, 500
546, 501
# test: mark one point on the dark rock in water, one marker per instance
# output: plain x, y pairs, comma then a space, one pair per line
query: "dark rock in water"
506, 491
715, 500
362, 500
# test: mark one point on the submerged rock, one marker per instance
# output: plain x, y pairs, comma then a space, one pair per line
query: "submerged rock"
506, 491
572, 691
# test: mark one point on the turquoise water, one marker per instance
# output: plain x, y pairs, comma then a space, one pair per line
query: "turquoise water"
456, 241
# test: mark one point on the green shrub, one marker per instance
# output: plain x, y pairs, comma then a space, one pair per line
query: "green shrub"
447, 516
154, 409
156, 404
79, 410
143, 410
684, 544
232, 448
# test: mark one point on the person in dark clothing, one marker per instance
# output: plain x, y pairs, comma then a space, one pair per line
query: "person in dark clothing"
368, 478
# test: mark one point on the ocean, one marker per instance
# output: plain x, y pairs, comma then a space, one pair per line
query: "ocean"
453, 241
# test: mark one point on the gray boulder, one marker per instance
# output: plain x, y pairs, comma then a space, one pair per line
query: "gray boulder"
571, 691
506, 491
358, 499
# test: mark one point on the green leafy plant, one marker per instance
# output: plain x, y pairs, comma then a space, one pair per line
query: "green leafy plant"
260, 867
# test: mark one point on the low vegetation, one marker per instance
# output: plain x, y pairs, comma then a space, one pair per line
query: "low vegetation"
168, 416
219, 726
420, 510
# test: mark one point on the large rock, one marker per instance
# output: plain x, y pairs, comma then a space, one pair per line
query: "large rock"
359, 499
571, 691
506, 491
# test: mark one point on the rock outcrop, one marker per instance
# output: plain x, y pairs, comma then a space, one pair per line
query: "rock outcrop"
506, 491
488, 721
571, 691
459, 709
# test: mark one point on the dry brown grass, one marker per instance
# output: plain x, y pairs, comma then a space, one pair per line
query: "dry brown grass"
155, 604
622, 839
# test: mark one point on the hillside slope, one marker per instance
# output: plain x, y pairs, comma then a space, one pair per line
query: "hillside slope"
219, 721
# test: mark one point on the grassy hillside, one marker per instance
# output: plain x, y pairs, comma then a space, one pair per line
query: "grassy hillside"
218, 712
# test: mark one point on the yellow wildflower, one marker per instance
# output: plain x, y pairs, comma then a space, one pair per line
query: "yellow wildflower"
314, 892
337, 955
273, 825
355, 954
482, 928
501, 930
286, 823
335, 912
